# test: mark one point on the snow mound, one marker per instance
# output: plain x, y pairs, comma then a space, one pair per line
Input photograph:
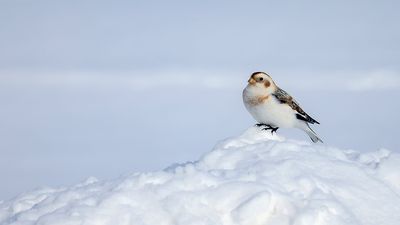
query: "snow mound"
252, 179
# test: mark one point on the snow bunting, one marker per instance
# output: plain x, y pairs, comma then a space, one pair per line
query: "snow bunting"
273, 107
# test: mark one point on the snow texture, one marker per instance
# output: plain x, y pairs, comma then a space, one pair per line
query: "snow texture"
252, 179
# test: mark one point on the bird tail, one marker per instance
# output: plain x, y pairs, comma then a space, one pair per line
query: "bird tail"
314, 137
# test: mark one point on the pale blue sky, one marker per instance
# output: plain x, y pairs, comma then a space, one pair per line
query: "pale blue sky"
101, 88
246, 34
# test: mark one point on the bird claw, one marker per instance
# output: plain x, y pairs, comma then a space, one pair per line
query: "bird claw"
274, 130
269, 127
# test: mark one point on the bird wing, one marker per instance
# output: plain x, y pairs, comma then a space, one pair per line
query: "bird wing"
285, 98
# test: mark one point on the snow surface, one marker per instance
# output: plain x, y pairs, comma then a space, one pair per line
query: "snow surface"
252, 179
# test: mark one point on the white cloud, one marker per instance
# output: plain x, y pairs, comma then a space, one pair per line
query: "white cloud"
143, 80
353, 81
137, 80
379, 80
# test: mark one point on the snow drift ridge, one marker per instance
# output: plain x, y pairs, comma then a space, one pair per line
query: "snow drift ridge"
252, 179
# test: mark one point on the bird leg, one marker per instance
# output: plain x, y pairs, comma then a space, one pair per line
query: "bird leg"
269, 127
261, 125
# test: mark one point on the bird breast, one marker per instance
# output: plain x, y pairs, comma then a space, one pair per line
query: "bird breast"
252, 97
256, 100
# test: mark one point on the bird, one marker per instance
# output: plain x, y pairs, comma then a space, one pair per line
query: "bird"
272, 107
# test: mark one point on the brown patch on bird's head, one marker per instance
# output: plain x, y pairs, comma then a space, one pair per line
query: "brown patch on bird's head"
267, 83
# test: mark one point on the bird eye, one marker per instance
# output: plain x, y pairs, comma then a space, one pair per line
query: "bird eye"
261, 79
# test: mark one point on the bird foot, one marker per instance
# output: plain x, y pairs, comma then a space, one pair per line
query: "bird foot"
268, 127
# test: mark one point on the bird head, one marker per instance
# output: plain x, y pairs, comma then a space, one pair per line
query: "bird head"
262, 82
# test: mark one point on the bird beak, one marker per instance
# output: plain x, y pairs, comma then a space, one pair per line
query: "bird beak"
251, 81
